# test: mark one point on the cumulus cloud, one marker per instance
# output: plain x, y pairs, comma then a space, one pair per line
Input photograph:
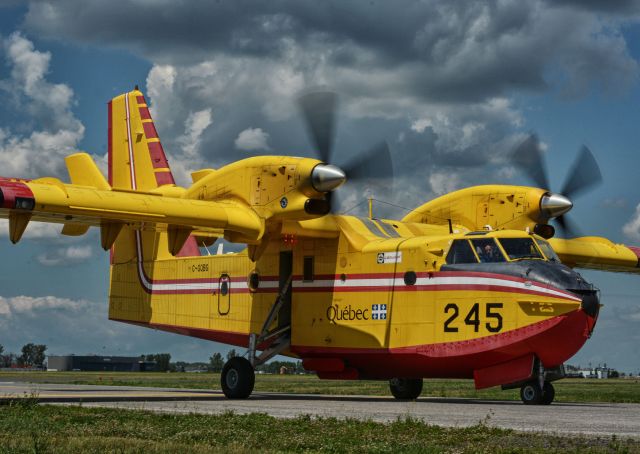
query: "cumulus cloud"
252, 139
435, 50
632, 228
35, 230
30, 305
67, 256
47, 106
194, 126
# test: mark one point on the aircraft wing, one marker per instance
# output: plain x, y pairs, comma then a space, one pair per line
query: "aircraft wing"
597, 253
95, 203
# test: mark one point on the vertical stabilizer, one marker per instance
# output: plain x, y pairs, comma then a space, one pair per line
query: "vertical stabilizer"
136, 157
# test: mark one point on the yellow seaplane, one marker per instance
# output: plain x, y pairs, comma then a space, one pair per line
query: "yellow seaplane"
472, 284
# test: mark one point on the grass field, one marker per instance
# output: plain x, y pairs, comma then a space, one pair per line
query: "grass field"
29, 428
567, 390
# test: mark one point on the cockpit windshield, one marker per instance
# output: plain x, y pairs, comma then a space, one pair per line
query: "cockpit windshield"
461, 252
520, 248
487, 250
547, 250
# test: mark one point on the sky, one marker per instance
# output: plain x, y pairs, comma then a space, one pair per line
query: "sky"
451, 86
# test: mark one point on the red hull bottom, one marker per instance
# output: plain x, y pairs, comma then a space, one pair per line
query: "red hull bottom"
552, 341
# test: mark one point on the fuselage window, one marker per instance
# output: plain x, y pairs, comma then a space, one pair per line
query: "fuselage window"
253, 281
488, 250
461, 252
307, 271
520, 248
224, 286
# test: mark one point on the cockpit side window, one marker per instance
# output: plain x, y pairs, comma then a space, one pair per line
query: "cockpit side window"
488, 250
461, 252
548, 250
520, 248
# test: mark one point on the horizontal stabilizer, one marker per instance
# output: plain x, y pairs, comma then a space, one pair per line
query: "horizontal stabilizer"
84, 172
200, 174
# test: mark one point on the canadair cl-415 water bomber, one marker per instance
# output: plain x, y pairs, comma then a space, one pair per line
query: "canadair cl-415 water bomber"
472, 284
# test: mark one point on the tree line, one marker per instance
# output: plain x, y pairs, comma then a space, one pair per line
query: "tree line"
32, 355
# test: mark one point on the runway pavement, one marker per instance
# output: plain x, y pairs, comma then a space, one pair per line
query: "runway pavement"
598, 419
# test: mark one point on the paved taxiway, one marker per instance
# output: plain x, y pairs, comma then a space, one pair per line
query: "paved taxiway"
598, 419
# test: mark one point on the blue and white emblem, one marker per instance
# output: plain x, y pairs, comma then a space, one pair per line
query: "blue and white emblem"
379, 311
284, 202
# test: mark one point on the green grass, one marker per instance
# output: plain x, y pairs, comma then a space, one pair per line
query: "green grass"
567, 390
27, 428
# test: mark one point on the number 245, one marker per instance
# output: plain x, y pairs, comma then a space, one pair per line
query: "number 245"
473, 317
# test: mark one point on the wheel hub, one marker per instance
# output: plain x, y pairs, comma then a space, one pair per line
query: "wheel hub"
529, 393
232, 378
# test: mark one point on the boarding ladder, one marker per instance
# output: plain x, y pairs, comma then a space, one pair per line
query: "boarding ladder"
280, 337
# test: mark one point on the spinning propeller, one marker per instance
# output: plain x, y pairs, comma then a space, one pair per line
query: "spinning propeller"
584, 175
319, 112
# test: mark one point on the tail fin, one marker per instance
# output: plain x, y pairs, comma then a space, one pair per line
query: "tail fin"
137, 162
136, 158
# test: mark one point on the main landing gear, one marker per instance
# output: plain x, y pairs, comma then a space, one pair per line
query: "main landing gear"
406, 388
238, 376
532, 394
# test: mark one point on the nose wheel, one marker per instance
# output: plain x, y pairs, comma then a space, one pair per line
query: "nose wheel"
237, 378
532, 394
406, 388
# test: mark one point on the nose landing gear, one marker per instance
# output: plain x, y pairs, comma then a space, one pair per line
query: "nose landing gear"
532, 394
406, 388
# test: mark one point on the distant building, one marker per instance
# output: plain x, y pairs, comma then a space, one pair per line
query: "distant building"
99, 363
598, 372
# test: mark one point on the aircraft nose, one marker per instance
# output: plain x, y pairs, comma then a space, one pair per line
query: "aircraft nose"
590, 302
327, 177
554, 205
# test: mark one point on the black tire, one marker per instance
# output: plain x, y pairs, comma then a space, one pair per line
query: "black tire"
406, 388
237, 378
531, 394
548, 394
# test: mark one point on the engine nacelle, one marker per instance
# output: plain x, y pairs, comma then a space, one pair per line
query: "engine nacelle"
498, 206
276, 187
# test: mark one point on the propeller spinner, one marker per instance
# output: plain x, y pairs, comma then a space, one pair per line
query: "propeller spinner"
319, 112
583, 176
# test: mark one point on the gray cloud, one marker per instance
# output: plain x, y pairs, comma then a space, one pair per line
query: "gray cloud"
454, 51
42, 105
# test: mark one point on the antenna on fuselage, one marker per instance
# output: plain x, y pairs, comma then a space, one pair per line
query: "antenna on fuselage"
450, 226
